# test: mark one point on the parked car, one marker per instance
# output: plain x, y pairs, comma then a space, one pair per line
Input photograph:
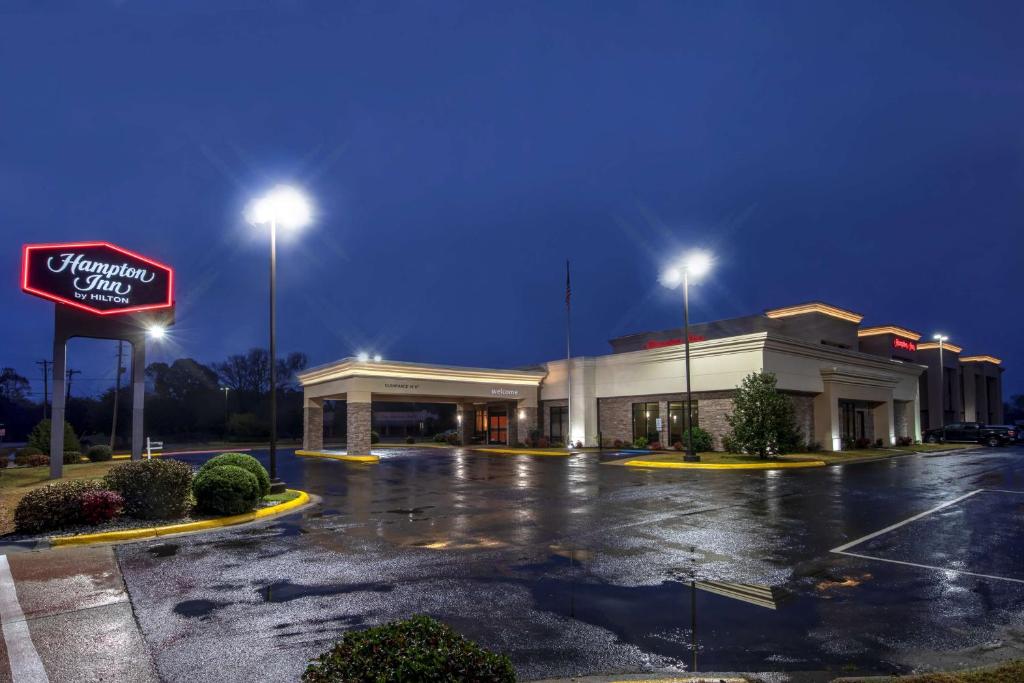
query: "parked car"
972, 432
1016, 430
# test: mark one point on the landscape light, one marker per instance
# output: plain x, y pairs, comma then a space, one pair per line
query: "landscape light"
284, 205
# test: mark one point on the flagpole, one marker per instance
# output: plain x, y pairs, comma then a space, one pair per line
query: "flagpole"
568, 348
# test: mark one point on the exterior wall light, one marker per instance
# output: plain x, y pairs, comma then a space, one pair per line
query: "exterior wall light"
363, 356
376, 358
156, 331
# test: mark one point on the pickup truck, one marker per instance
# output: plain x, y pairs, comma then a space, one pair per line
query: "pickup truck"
972, 432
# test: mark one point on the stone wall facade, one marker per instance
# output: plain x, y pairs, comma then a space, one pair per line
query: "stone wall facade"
357, 440
615, 415
313, 425
803, 414
902, 415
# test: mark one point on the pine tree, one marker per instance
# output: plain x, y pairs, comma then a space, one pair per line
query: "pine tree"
762, 418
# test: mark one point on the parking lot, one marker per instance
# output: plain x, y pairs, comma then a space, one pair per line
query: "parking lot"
574, 567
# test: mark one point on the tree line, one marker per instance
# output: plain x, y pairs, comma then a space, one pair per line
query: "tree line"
185, 400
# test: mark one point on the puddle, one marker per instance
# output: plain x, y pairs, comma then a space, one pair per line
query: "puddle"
411, 511
197, 608
163, 549
286, 591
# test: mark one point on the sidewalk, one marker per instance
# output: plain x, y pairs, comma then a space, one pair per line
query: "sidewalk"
66, 617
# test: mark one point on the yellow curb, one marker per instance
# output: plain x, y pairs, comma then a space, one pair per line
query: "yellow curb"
150, 532
723, 466
523, 451
338, 456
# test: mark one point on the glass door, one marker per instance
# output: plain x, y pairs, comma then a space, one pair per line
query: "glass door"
498, 423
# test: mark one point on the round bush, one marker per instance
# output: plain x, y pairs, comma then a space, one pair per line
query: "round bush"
410, 440
374, 437
101, 506
702, 441
99, 453
37, 460
246, 462
72, 457
226, 490
152, 489
54, 506
417, 649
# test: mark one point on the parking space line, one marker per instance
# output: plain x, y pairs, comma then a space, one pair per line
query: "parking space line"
21, 653
887, 529
929, 566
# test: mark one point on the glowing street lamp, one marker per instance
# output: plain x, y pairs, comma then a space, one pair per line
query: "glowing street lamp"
941, 338
156, 332
289, 208
694, 265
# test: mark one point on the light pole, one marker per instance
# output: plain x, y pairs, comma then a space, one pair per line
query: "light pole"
694, 265
941, 338
289, 208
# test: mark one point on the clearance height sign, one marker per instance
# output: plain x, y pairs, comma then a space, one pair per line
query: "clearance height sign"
97, 277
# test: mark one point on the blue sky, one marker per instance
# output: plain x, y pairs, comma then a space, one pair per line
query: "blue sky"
864, 154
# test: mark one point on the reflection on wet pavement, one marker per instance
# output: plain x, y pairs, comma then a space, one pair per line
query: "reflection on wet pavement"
573, 567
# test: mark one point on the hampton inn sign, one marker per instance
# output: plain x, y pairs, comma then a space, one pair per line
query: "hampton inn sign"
97, 277
101, 291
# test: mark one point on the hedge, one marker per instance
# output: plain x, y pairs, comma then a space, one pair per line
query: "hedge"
54, 506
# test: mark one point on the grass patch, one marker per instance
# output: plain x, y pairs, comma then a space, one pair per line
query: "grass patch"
288, 494
15, 482
1010, 672
937, 447
719, 458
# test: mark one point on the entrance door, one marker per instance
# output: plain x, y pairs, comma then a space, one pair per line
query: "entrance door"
498, 426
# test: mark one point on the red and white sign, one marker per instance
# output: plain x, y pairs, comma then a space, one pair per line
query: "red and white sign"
655, 344
903, 344
97, 277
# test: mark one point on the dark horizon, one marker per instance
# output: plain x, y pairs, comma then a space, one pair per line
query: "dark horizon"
867, 157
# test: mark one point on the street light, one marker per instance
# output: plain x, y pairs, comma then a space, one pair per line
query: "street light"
156, 331
289, 208
942, 383
694, 265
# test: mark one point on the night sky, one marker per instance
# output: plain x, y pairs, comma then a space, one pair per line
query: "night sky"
864, 154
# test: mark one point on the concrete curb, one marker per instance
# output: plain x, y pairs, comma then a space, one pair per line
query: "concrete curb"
166, 530
338, 456
524, 451
661, 464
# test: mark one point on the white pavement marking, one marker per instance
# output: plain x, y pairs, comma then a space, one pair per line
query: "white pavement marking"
26, 667
842, 550
887, 529
929, 566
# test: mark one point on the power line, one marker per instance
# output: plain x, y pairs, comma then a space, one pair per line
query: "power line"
46, 382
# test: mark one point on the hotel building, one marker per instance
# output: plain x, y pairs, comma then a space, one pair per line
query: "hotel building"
845, 381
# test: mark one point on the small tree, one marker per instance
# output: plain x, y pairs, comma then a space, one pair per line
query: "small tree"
762, 418
39, 437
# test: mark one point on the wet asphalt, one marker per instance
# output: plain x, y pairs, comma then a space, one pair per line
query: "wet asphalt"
573, 567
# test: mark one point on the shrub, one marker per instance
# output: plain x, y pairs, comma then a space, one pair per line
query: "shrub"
37, 460
454, 440
544, 442
374, 437
39, 437
416, 649
655, 445
579, 444
862, 442
152, 489
101, 506
54, 506
72, 457
226, 490
702, 441
440, 438
246, 462
729, 444
879, 443
640, 442
677, 446
904, 441
813, 446
762, 419
617, 443
409, 439
99, 453
23, 455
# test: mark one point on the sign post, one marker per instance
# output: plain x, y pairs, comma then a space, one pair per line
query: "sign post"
102, 291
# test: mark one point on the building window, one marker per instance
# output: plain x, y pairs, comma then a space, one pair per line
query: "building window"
558, 425
645, 421
480, 428
677, 421
497, 423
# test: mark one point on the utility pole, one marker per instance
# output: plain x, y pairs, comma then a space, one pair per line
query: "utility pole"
45, 363
71, 373
117, 393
